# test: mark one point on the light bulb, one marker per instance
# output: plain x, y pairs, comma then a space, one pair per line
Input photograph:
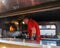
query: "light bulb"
23, 22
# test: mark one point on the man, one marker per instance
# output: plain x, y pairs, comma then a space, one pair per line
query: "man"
33, 28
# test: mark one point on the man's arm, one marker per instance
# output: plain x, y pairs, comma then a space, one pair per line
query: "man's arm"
33, 30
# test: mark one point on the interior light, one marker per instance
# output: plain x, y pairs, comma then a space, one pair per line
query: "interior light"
23, 22
16, 23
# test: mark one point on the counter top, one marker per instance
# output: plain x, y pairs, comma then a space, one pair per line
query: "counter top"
25, 43
20, 42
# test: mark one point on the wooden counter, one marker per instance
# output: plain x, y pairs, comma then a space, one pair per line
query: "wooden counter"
14, 46
13, 43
